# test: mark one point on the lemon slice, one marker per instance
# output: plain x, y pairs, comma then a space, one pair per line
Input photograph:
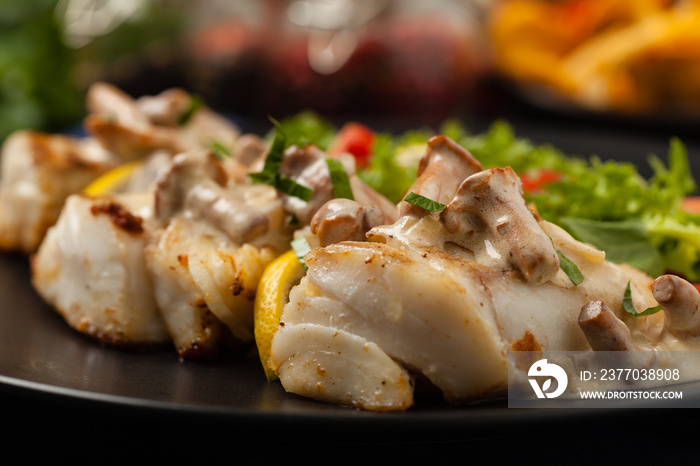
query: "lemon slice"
112, 180
273, 293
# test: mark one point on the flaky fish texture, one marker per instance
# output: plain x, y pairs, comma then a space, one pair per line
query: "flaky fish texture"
164, 264
90, 268
176, 255
447, 294
204, 285
39, 171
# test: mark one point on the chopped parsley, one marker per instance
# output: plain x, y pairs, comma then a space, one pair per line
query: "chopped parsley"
292, 188
195, 104
628, 306
271, 175
273, 161
301, 247
220, 151
339, 179
424, 203
570, 269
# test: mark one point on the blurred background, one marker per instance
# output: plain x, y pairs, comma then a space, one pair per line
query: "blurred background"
410, 61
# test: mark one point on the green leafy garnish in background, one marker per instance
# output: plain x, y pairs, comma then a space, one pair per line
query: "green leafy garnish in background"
43, 80
306, 128
394, 163
624, 241
38, 89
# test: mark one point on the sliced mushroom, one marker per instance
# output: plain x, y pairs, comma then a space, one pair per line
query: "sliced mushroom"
194, 184
680, 301
345, 220
488, 216
114, 104
205, 128
249, 149
440, 172
308, 167
132, 128
166, 108
130, 143
603, 330
366, 196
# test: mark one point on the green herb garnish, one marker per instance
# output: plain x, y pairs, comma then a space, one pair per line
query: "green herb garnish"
270, 173
292, 188
195, 104
424, 203
629, 307
339, 179
220, 151
273, 161
301, 247
570, 269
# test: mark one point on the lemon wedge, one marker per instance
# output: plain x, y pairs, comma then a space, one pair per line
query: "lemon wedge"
111, 181
273, 293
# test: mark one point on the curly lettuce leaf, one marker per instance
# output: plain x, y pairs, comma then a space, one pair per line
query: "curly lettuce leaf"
306, 128
677, 238
589, 188
625, 241
389, 173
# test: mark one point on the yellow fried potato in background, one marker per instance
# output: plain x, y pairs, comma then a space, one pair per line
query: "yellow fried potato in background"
632, 56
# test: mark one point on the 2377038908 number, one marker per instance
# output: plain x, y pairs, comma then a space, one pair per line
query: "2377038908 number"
640, 374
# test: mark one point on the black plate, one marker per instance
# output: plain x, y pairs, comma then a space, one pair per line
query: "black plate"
40, 355
56, 382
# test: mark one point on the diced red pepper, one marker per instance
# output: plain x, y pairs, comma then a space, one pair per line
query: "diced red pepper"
691, 204
536, 181
355, 139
